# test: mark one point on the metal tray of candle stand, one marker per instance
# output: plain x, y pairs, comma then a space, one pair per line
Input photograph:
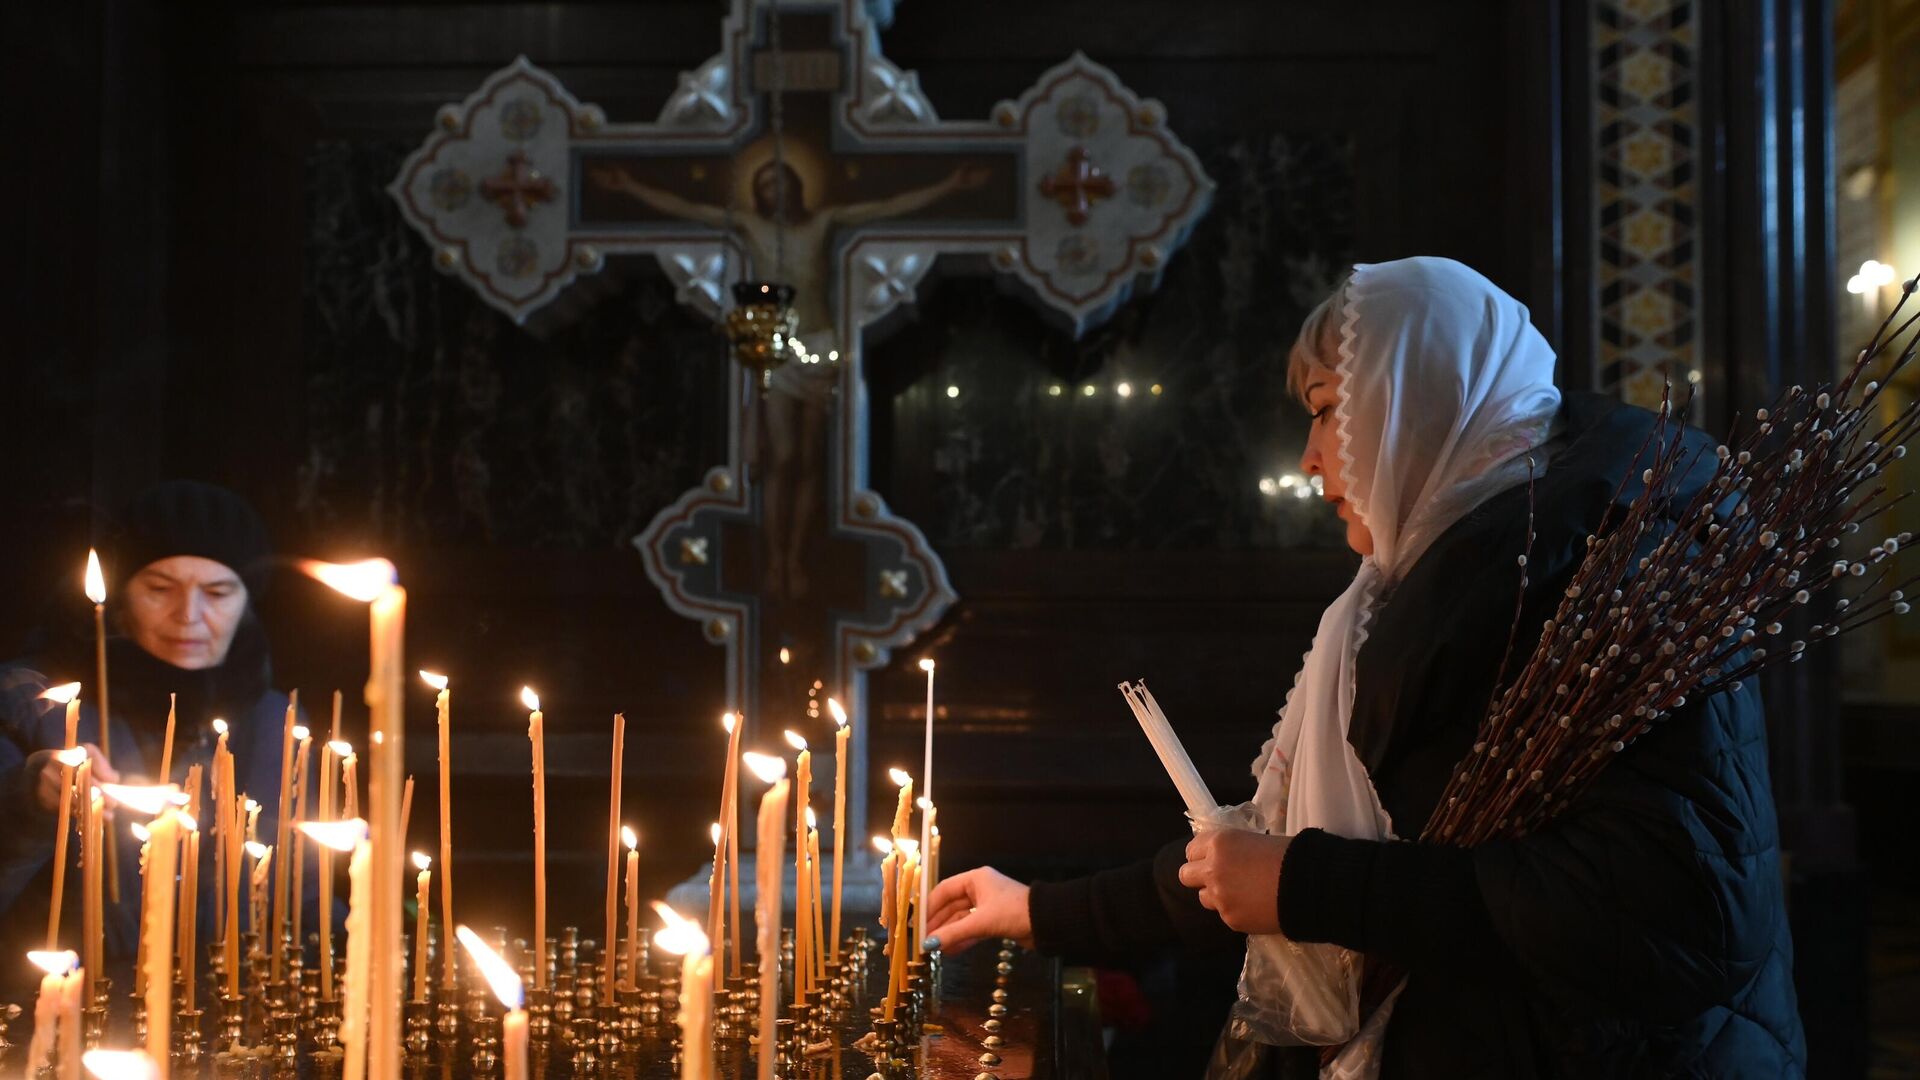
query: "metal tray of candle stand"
1049, 1031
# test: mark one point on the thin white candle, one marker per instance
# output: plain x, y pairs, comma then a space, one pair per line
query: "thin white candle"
926, 818
683, 936
352, 835
507, 987
375, 582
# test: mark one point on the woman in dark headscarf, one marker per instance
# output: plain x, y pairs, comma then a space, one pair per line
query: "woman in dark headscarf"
185, 561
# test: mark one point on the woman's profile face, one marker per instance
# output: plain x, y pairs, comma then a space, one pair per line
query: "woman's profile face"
184, 610
1322, 455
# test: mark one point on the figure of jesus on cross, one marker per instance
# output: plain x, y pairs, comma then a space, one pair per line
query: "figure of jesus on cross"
789, 241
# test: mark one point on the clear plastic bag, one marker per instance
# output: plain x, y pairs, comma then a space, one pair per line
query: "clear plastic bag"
1291, 993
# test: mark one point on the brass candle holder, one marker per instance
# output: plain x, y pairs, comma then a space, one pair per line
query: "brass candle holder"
486, 1044
419, 1028
188, 1048
539, 1015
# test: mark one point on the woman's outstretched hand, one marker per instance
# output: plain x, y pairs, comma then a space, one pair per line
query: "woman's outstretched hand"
1238, 875
977, 905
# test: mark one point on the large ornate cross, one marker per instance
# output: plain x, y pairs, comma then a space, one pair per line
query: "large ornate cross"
1074, 190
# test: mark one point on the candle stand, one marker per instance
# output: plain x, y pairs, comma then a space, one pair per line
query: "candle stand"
8, 1015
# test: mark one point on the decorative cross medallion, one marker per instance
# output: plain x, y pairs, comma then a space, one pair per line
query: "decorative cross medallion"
785, 555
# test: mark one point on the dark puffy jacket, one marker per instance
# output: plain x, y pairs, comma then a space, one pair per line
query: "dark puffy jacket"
1642, 933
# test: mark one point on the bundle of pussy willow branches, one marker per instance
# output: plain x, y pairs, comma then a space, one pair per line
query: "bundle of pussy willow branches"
1683, 594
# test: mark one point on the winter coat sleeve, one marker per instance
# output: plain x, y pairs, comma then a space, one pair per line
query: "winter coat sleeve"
1644, 899
1109, 916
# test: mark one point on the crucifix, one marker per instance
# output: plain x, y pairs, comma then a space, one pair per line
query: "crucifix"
799, 154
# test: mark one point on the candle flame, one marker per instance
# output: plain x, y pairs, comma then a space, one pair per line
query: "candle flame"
839, 714
187, 821
219, 726
422, 860
727, 720
340, 748
258, 850
909, 847
120, 1065
63, 693
72, 757
765, 766
927, 666
141, 832
923, 803
813, 821
629, 838
786, 656
936, 830
714, 831
250, 806
433, 679
530, 699
883, 845
338, 835
682, 936
52, 962
500, 975
364, 580
300, 733
144, 800
796, 740
900, 777
96, 581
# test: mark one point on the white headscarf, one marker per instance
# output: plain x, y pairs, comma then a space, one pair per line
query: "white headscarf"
1445, 385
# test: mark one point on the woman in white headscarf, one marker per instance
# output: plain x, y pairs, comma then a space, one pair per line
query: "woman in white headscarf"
1642, 932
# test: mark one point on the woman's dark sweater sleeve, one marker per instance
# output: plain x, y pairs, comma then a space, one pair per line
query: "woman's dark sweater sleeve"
1416, 904
1123, 912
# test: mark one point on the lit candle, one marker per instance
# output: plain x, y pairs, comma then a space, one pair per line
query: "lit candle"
898, 947
374, 582
683, 936
842, 730
818, 953
163, 855
802, 921
283, 827
443, 706
926, 818
55, 1018
253, 818
96, 584
421, 862
902, 813
120, 1065
717, 887
610, 975
353, 835
632, 840
512, 994
350, 785
222, 818
69, 758
232, 841
304, 739
262, 856
141, 833
537, 737
766, 915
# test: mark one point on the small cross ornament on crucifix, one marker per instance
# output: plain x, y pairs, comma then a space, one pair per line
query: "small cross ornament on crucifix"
1075, 190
